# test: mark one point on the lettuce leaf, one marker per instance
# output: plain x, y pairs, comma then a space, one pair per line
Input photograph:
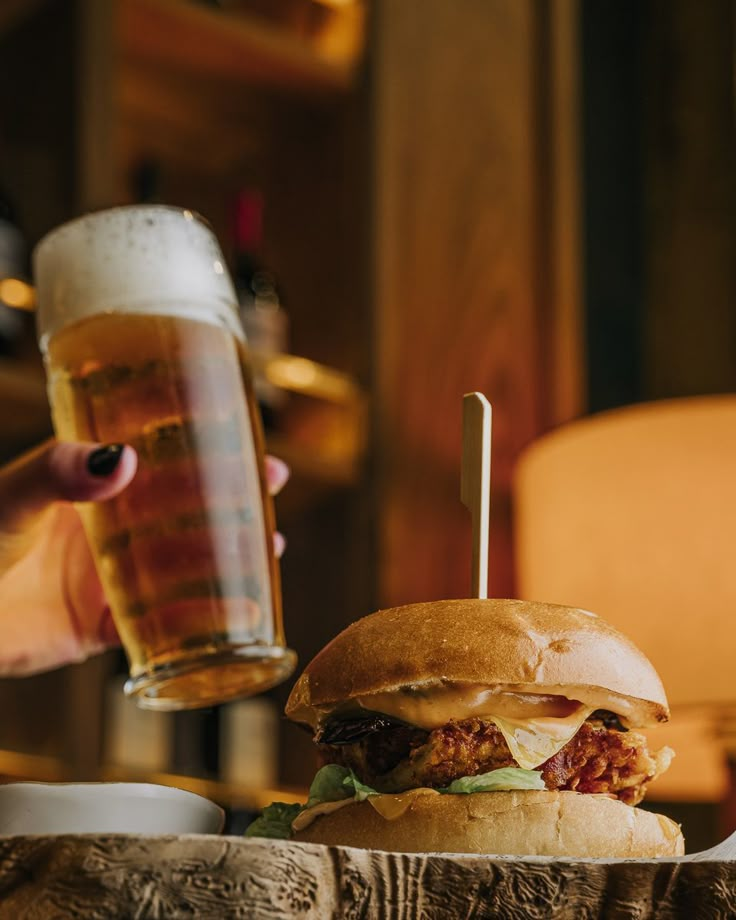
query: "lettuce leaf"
360, 790
502, 780
274, 822
333, 783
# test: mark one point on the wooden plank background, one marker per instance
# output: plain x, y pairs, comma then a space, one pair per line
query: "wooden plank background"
465, 192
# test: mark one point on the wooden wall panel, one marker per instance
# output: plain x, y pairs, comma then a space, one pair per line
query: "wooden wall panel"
561, 154
691, 198
457, 290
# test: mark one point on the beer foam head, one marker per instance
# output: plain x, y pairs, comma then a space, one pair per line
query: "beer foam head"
137, 259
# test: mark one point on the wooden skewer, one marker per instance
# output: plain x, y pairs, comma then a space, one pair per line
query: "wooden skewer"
475, 483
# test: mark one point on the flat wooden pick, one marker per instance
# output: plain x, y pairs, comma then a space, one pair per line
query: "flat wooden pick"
475, 483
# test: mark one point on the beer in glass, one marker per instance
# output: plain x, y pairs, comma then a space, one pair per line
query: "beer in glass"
140, 333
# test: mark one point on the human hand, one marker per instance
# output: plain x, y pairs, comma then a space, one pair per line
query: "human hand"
52, 607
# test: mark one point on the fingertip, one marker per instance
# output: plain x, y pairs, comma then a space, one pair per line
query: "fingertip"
279, 544
127, 467
277, 474
92, 472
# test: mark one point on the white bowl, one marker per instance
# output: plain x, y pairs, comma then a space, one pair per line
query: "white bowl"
105, 808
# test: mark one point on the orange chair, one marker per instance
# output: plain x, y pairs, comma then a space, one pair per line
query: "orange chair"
632, 514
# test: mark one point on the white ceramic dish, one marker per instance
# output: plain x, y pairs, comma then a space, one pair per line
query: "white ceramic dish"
105, 808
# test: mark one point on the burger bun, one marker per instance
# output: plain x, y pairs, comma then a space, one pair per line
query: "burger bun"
529, 823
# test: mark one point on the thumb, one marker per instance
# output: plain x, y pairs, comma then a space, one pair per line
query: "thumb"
62, 472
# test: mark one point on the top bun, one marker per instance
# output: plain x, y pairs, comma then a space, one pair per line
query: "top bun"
511, 645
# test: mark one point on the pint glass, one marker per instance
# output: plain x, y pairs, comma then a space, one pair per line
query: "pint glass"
142, 342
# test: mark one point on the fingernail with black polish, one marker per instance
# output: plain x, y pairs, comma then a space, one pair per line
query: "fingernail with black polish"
104, 460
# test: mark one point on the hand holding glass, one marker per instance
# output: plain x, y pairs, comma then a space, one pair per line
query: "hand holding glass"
140, 333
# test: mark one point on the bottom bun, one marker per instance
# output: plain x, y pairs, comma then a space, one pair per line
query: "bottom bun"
503, 823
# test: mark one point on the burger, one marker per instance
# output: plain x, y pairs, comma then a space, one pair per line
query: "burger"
481, 726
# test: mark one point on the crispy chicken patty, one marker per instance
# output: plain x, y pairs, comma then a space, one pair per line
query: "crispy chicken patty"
596, 760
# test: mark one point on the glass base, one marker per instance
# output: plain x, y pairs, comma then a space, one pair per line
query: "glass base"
210, 678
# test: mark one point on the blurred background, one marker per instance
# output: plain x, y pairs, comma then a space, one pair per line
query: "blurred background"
531, 198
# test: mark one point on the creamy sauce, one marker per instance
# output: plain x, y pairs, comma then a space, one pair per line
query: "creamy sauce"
431, 707
434, 704
305, 818
389, 807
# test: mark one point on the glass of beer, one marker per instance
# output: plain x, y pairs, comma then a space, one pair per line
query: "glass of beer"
140, 332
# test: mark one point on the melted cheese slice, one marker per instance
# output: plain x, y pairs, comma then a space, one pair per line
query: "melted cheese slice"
393, 806
532, 741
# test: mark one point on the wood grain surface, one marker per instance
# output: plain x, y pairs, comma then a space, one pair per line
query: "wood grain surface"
227, 877
471, 187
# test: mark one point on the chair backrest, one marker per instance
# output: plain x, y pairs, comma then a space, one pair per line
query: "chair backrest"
632, 514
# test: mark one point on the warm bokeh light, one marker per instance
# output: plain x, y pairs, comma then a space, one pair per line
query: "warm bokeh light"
308, 377
336, 4
17, 294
